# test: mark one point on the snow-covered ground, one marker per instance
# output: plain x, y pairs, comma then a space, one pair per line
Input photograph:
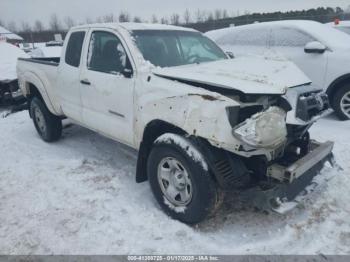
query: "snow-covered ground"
79, 196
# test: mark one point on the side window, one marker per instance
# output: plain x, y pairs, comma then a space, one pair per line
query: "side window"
290, 37
106, 53
246, 37
74, 47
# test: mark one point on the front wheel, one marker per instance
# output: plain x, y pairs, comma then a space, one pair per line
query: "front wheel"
341, 102
48, 125
180, 180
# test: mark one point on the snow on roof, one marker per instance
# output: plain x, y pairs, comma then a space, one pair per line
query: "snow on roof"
8, 60
325, 34
9, 35
136, 26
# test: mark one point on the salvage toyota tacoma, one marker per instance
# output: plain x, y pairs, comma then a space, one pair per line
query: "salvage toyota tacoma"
203, 124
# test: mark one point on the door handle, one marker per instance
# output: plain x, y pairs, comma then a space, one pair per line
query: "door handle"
85, 82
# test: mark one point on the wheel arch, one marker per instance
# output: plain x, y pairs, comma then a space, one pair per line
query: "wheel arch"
152, 131
31, 84
336, 84
34, 89
227, 170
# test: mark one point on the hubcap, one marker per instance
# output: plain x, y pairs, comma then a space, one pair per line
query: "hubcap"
345, 104
40, 120
174, 181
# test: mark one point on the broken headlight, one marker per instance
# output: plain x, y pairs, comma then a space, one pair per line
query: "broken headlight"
264, 129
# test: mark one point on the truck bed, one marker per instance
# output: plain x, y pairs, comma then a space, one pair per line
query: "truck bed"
53, 61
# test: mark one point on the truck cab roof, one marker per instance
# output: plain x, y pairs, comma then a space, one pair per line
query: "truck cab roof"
129, 26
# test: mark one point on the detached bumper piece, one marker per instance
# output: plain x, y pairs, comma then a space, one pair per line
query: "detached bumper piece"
311, 105
286, 182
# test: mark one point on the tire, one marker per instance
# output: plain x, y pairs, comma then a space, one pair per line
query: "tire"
341, 102
205, 196
48, 125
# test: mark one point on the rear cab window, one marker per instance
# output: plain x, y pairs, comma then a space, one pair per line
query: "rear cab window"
74, 48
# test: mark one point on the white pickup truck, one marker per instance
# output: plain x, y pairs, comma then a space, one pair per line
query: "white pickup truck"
203, 123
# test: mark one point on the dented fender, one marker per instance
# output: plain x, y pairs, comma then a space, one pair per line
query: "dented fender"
197, 111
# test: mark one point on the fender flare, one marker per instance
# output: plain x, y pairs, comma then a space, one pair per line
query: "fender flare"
32, 79
152, 131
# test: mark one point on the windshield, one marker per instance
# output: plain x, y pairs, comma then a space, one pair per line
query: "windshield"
175, 48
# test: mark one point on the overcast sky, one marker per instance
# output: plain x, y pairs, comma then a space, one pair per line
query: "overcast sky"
30, 10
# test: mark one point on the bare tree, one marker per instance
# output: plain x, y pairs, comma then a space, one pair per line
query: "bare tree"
224, 13
137, 19
164, 20
154, 19
1, 23
209, 16
124, 17
38, 26
12, 26
25, 27
217, 14
54, 23
187, 16
175, 19
200, 16
99, 19
109, 18
69, 22
88, 20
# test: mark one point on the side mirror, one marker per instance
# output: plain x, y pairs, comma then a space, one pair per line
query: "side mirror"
315, 48
230, 54
127, 72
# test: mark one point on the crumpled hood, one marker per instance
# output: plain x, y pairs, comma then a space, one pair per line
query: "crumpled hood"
250, 75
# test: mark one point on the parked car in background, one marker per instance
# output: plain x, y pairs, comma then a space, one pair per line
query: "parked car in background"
322, 52
27, 47
203, 123
343, 26
9, 90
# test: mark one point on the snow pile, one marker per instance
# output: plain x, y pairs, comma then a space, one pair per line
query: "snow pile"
190, 150
8, 60
79, 196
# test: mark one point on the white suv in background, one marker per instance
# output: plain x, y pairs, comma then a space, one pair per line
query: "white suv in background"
322, 52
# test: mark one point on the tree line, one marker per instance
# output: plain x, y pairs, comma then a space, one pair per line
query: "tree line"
201, 20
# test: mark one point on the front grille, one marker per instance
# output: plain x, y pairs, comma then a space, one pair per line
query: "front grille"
311, 104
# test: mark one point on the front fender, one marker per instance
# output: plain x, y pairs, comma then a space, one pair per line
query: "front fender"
198, 112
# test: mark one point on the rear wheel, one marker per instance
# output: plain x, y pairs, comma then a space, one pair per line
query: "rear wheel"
48, 125
341, 102
182, 186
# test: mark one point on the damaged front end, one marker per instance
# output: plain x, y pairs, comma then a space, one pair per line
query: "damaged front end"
287, 179
276, 151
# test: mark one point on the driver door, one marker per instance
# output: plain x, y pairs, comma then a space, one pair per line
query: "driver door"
106, 90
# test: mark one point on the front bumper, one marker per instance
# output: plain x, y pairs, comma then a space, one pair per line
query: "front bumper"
286, 182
